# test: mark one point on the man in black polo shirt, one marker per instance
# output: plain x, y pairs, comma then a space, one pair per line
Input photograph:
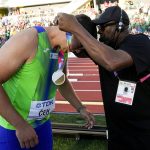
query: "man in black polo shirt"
124, 66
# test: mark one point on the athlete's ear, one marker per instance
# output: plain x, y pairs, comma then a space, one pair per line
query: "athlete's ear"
55, 21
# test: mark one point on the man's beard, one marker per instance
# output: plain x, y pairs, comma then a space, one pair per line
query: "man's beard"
109, 42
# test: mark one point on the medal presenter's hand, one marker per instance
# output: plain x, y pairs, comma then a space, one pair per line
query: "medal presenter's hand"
67, 22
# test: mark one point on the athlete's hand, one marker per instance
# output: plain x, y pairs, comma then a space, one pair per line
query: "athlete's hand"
26, 135
67, 22
90, 121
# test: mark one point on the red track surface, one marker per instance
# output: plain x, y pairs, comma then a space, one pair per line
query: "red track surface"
84, 76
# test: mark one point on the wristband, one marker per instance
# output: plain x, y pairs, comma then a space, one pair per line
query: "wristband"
80, 108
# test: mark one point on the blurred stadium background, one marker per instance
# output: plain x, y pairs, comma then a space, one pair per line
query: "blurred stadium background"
16, 15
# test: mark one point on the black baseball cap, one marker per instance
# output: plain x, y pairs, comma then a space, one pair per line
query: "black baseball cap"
112, 14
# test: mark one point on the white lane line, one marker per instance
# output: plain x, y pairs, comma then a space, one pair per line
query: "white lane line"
83, 70
85, 103
83, 66
87, 90
75, 74
73, 80
81, 74
83, 63
76, 80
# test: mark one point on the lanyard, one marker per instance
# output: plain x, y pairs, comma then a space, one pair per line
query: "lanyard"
141, 79
61, 58
116, 75
144, 78
61, 64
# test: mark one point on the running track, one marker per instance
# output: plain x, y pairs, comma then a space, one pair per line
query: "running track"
84, 77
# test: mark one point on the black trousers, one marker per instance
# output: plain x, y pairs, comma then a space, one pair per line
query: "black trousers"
129, 142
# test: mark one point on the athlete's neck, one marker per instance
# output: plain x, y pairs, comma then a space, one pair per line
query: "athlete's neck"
57, 37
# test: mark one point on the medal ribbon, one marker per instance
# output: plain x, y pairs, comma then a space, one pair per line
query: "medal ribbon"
61, 59
69, 39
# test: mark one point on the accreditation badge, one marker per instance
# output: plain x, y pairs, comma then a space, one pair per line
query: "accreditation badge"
41, 109
125, 92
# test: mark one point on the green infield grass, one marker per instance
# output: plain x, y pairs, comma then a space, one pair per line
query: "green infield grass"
67, 142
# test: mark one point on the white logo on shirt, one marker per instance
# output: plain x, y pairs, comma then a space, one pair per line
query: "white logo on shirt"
46, 50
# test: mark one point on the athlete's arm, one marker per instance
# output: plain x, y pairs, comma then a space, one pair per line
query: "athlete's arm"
13, 54
102, 54
68, 93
